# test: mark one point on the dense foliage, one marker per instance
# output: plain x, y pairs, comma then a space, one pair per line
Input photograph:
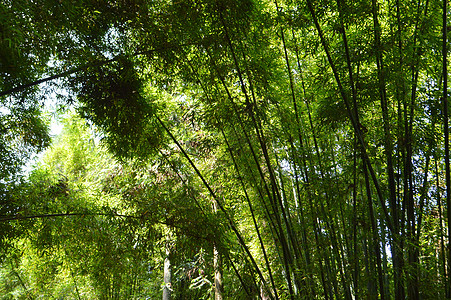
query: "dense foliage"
231, 149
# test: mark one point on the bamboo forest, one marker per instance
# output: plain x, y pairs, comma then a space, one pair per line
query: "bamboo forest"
224, 149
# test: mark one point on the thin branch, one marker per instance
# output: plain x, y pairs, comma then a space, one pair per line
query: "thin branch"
216, 199
4, 218
97, 63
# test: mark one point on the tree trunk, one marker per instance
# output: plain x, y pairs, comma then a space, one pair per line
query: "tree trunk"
446, 134
219, 288
167, 289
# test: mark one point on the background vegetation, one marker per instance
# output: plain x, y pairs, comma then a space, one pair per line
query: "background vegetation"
225, 149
